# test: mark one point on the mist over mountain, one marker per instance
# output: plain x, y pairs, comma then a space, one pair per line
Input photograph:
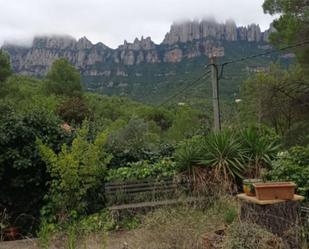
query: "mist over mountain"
140, 66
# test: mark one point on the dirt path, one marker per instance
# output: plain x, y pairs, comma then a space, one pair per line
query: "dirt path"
112, 241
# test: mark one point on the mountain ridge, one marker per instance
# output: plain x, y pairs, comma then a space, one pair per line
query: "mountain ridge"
36, 60
142, 66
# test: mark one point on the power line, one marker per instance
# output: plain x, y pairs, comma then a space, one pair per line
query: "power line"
193, 83
266, 53
300, 44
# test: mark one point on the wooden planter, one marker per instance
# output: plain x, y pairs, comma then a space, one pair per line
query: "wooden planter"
275, 190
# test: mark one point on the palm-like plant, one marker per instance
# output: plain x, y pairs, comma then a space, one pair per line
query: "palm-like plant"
260, 149
223, 152
188, 153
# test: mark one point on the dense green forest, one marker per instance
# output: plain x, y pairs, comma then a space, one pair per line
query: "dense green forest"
59, 144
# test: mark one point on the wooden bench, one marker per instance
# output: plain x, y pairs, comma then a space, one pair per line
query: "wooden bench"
146, 193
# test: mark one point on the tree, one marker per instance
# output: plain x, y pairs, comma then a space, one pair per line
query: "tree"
23, 174
74, 110
292, 25
63, 79
279, 98
5, 66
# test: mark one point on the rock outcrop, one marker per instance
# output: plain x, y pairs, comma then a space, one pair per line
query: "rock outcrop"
184, 40
190, 31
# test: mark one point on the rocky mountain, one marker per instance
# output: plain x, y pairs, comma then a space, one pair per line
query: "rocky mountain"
141, 62
86, 56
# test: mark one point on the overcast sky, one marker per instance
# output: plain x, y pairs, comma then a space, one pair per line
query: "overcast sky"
113, 21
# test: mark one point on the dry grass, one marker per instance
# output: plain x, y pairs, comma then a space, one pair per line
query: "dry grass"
182, 227
247, 236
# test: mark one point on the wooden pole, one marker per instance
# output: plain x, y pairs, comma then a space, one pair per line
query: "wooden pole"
215, 94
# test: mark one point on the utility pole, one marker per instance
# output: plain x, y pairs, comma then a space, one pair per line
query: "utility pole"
213, 53
215, 93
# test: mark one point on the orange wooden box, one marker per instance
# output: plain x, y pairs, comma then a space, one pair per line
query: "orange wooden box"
275, 190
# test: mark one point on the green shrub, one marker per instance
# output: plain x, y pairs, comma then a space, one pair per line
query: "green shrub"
75, 173
230, 215
223, 152
292, 165
188, 153
143, 169
23, 173
260, 149
132, 143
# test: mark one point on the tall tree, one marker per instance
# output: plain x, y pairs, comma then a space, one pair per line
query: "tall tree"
279, 98
63, 79
5, 66
292, 26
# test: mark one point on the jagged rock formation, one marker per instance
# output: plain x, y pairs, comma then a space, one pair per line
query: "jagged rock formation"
190, 31
100, 60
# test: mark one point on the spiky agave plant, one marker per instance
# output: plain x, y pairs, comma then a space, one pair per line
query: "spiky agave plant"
260, 149
223, 152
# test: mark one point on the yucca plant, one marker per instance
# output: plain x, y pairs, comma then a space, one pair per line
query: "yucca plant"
188, 153
223, 152
260, 149
187, 157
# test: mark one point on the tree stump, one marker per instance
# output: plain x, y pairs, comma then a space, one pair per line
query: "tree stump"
280, 217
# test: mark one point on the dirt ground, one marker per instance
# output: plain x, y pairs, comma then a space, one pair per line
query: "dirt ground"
112, 241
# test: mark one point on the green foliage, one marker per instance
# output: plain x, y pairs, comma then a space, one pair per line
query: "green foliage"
23, 173
63, 79
74, 110
223, 152
75, 173
188, 153
5, 66
101, 221
230, 215
132, 143
292, 165
24, 95
292, 24
298, 134
278, 98
75, 231
185, 125
143, 169
260, 149
45, 233
160, 116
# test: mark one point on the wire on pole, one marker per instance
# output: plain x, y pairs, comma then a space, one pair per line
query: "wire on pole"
203, 76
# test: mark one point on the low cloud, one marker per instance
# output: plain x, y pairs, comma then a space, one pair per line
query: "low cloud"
113, 21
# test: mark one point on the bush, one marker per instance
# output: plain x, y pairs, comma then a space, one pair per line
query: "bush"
76, 173
132, 143
223, 152
74, 110
292, 165
143, 169
260, 149
189, 152
23, 173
